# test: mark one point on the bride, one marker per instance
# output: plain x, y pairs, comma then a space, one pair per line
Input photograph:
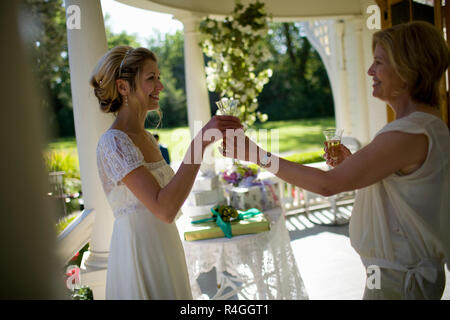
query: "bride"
146, 259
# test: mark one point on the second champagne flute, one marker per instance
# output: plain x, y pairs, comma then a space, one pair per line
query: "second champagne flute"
333, 138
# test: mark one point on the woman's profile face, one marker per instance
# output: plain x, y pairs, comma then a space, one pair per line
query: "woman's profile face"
386, 83
149, 86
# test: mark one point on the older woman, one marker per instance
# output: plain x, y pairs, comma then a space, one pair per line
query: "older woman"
401, 214
146, 259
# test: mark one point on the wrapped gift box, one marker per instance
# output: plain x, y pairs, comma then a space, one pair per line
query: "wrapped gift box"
210, 230
204, 183
263, 198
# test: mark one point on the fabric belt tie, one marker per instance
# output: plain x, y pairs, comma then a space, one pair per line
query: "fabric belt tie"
425, 269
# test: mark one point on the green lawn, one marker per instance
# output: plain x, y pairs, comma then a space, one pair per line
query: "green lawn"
63, 144
177, 140
298, 136
295, 136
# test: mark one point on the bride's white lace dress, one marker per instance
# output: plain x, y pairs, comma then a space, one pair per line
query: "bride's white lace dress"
146, 258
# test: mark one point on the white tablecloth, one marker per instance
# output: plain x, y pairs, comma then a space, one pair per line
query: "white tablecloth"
263, 263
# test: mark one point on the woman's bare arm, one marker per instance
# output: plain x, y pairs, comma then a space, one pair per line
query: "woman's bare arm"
388, 153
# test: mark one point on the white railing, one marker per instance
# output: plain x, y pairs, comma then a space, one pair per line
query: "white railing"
294, 200
75, 236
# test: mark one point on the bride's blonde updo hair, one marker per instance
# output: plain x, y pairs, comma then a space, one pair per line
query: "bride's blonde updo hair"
121, 62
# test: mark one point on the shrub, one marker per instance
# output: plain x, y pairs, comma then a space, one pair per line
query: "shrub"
64, 222
60, 160
84, 293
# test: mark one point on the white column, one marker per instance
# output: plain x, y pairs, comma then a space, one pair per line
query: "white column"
196, 89
87, 43
376, 108
338, 77
328, 40
357, 95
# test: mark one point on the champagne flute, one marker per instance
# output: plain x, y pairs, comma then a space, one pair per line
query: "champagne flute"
333, 138
228, 107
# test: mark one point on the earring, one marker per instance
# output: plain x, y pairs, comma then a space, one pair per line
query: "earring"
126, 101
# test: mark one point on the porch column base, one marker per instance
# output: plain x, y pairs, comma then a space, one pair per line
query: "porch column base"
93, 273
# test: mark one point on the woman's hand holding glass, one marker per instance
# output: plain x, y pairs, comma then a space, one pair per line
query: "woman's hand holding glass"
340, 154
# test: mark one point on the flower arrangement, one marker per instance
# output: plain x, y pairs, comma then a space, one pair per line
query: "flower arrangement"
236, 48
239, 173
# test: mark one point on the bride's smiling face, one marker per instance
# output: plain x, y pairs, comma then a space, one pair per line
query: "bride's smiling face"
149, 86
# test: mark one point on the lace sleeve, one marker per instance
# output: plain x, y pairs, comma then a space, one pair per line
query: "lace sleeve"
118, 156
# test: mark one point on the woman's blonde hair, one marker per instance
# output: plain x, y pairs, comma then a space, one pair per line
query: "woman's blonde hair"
121, 62
419, 55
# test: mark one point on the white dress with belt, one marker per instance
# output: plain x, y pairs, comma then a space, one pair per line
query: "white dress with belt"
146, 258
401, 224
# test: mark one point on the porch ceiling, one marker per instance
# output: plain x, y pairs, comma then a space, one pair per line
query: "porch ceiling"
282, 10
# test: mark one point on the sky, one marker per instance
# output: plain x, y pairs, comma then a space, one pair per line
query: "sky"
134, 20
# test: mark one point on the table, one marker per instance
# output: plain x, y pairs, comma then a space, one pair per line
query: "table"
256, 267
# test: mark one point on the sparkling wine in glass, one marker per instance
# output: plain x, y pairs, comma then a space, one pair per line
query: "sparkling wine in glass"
333, 138
228, 107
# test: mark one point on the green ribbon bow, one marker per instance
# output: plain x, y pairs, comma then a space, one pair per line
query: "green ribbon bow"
226, 226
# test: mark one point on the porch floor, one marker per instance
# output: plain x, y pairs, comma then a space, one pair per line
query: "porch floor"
329, 266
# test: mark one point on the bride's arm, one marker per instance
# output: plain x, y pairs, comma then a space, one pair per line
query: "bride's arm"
165, 202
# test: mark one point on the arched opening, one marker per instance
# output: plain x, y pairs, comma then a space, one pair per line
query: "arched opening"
300, 87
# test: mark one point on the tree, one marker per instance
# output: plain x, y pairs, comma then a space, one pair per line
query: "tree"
44, 24
169, 49
299, 87
119, 39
